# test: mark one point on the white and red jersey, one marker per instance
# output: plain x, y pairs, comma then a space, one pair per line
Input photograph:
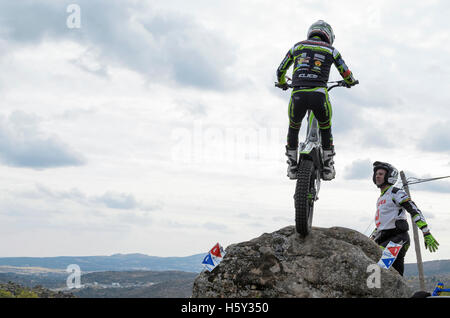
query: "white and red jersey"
389, 208
392, 205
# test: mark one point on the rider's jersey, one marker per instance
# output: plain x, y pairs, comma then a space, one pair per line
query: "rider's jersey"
391, 206
312, 61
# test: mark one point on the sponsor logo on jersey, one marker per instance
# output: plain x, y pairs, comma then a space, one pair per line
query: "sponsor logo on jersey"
308, 76
319, 57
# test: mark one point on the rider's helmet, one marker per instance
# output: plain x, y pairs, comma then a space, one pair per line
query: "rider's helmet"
322, 29
391, 175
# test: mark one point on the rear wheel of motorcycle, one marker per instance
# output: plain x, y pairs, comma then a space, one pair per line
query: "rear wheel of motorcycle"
305, 192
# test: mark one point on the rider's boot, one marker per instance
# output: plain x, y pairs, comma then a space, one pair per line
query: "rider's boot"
328, 164
292, 162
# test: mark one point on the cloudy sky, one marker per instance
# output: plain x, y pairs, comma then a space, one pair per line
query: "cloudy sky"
154, 127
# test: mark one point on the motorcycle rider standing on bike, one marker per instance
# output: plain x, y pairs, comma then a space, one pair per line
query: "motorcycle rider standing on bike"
312, 61
390, 219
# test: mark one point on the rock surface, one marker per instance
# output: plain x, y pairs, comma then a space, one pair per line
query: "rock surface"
330, 262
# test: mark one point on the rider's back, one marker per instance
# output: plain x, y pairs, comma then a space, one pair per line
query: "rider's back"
312, 60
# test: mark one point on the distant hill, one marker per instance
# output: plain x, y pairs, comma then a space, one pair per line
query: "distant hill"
130, 262
434, 271
118, 275
136, 284
109, 284
116, 262
430, 268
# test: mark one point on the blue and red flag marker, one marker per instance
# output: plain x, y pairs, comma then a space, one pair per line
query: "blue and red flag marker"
389, 255
214, 257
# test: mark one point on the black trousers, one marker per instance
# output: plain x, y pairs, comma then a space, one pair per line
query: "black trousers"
399, 238
317, 100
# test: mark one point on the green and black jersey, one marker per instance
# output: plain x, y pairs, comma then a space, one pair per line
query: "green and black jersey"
312, 60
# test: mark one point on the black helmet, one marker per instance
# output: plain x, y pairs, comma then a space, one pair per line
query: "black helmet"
322, 29
391, 175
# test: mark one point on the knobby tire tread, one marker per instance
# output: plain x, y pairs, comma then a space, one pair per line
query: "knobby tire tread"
304, 175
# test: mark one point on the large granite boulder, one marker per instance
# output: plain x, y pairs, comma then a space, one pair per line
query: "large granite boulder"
330, 262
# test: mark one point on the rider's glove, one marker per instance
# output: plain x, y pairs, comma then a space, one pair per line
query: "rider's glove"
350, 84
430, 242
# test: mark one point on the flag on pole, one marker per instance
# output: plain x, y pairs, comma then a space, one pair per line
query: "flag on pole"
214, 257
389, 255
208, 262
217, 250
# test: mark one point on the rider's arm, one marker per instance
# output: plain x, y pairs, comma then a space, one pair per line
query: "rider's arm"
346, 74
416, 214
284, 66
401, 198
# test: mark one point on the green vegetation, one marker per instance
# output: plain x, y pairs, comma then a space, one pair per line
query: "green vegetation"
14, 290
26, 294
6, 294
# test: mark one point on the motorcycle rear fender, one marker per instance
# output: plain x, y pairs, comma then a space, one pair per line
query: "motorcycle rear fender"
311, 151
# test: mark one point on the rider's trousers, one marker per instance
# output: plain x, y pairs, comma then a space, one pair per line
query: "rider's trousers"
317, 100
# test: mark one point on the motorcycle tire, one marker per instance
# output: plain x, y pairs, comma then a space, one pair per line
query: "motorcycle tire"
304, 197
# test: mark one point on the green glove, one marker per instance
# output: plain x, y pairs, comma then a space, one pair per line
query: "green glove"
430, 242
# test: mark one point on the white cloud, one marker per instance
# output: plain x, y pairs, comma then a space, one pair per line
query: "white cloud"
162, 46
359, 169
109, 199
437, 138
23, 144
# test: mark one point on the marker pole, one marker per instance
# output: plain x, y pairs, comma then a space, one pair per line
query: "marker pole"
416, 237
